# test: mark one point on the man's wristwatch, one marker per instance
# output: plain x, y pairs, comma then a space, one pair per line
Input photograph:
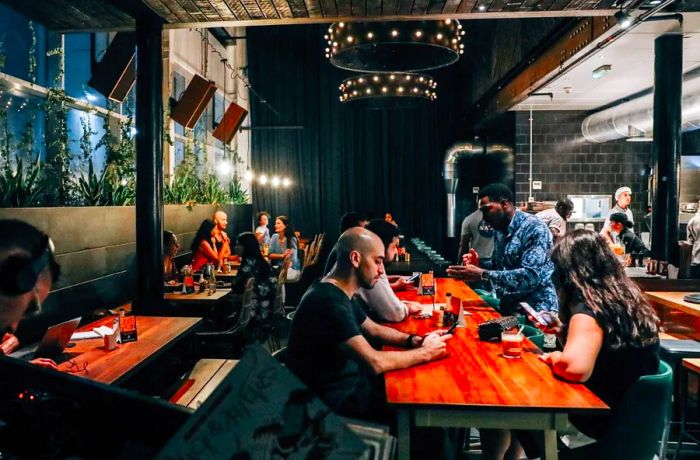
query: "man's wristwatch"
409, 340
485, 275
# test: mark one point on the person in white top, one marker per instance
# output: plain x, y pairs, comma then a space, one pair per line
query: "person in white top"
262, 232
694, 239
623, 199
382, 303
556, 217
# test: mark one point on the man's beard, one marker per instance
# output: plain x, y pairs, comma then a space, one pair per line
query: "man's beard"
367, 283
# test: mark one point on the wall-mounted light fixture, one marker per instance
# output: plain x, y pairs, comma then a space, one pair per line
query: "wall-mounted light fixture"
602, 71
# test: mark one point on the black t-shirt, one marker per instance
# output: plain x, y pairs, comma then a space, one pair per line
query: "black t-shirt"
614, 372
324, 320
633, 245
332, 259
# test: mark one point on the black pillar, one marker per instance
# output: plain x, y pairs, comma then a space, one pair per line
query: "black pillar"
149, 165
668, 78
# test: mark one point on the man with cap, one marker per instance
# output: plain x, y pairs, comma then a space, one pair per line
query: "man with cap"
623, 199
621, 226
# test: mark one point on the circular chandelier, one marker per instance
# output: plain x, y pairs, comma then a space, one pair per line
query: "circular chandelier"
394, 46
397, 89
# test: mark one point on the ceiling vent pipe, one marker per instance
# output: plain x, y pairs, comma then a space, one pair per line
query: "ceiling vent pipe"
614, 123
454, 154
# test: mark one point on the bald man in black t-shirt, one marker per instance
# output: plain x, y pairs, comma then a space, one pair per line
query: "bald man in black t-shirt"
328, 349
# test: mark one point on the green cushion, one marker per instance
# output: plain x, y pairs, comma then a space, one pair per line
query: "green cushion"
635, 428
488, 297
535, 335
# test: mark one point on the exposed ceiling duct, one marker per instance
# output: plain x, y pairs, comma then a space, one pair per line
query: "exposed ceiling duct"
454, 154
615, 122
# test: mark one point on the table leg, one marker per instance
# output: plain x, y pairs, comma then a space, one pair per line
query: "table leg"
549, 445
404, 433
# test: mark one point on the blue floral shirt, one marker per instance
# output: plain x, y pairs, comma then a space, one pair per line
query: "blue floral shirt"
521, 268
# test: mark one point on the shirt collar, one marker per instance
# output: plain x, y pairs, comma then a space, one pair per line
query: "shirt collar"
515, 222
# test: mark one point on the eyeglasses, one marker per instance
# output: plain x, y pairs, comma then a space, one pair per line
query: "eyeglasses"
75, 368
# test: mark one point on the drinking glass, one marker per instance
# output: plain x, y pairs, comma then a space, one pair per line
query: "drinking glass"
512, 343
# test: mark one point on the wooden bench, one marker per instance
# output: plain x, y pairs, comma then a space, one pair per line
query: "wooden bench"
201, 382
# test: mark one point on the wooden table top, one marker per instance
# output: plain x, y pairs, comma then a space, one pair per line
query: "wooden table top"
692, 364
200, 297
155, 333
674, 300
474, 374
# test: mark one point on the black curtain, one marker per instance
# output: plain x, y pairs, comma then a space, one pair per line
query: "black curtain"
346, 157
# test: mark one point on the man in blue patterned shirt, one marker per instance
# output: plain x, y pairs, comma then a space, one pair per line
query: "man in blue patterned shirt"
520, 269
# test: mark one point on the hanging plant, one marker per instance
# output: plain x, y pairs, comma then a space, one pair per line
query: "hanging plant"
32, 53
59, 177
2, 55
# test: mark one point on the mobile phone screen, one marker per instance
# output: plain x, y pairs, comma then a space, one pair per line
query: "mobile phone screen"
453, 327
412, 278
531, 311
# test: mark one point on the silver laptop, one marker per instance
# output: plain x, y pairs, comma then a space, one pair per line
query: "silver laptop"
52, 345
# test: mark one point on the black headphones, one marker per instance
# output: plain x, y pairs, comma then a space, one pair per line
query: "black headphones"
19, 274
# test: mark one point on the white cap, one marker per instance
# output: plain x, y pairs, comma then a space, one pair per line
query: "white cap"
622, 190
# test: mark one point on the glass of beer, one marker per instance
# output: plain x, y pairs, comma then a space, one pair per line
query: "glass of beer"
512, 342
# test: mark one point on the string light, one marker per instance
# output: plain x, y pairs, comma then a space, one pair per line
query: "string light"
381, 46
381, 85
275, 181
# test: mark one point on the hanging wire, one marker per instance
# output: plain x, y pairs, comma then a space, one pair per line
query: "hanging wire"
235, 73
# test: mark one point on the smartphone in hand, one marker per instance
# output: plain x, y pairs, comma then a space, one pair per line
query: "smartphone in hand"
412, 278
542, 319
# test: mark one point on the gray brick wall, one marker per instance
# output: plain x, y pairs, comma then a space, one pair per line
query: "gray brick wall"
567, 164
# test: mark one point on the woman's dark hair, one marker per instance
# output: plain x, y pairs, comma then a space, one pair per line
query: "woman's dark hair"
587, 271
251, 250
204, 233
259, 215
167, 240
384, 230
288, 230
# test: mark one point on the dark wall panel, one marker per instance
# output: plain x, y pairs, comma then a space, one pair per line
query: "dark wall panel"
346, 157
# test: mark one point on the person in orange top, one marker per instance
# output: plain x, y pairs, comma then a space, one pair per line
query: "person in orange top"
211, 245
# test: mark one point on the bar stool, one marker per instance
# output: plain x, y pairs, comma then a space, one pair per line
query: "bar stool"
674, 351
689, 365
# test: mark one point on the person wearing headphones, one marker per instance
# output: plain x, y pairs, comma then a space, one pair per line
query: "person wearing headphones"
27, 271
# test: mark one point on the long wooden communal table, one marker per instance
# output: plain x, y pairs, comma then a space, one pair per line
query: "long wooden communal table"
678, 317
155, 335
475, 387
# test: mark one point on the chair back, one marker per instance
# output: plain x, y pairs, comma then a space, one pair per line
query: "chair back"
282, 278
281, 355
319, 245
246, 305
310, 251
637, 423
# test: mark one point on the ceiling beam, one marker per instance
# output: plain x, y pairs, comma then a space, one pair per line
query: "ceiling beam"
578, 36
398, 17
